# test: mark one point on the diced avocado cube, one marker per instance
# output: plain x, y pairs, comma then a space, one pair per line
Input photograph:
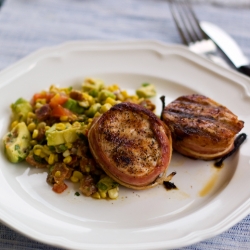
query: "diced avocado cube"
84, 104
20, 109
106, 183
73, 105
56, 137
62, 148
17, 143
105, 107
93, 109
94, 92
104, 94
92, 85
146, 91
107, 187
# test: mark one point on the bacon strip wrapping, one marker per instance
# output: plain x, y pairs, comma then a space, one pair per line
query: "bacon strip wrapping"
201, 128
132, 145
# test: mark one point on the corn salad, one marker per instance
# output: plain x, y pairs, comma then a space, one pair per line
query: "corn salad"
51, 131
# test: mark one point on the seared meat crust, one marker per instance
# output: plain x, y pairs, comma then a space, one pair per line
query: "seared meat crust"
201, 128
132, 145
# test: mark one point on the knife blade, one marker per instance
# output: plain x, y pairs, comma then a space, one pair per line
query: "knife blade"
228, 46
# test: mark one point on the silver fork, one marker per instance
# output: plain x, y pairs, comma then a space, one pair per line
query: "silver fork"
191, 33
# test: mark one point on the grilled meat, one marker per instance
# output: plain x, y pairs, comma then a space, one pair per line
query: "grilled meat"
132, 145
201, 128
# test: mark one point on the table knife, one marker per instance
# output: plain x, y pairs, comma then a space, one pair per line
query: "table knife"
228, 46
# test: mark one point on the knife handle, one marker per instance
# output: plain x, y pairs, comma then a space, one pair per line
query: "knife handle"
245, 70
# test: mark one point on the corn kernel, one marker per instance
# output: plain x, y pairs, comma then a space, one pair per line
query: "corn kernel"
31, 115
85, 96
97, 114
13, 124
88, 126
78, 175
96, 195
53, 89
38, 147
38, 105
47, 127
65, 90
110, 101
66, 153
113, 88
85, 130
37, 151
120, 97
33, 142
116, 87
67, 159
76, 124
51, 159
90, 99
125, 94
29, 120
90, 80
35, 134
93, 81
87, 169
84, 104
31, 126
103, 194
74, 179
105, 107
134, 97
113, 193
41, 100
57, 173
68, 145
60, 126
64, 118
41, 125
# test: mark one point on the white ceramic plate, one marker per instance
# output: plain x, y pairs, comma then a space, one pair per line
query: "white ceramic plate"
153, 219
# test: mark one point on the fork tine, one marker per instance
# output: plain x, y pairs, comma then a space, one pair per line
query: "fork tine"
184, 15
197, 28
177, 23
189, 21
192, 21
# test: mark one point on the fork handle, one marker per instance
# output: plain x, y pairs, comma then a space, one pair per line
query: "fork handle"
245, 70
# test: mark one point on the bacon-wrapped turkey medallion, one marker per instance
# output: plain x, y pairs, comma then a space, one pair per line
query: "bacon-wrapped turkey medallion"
132, 145
201, 128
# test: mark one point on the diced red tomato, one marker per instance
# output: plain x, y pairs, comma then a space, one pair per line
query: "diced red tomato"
59, 111
59, 187
57, 100
43, 95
